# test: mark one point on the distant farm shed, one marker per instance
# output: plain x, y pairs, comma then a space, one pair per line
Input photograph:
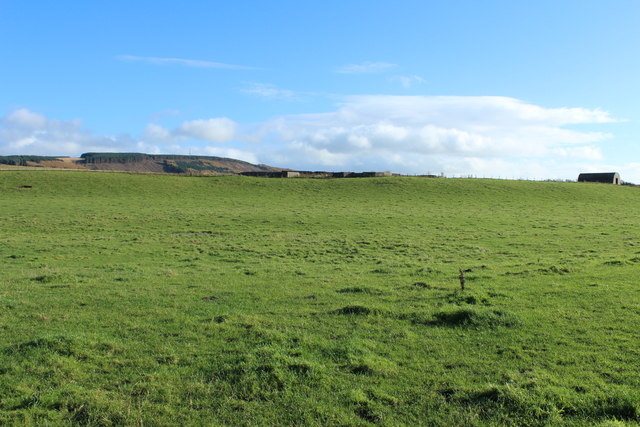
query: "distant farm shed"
605, 178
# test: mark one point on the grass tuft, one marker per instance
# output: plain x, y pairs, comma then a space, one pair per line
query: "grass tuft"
359, 310
471, 298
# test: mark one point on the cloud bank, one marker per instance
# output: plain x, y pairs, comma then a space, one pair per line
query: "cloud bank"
26, 132
480, 136
413, 134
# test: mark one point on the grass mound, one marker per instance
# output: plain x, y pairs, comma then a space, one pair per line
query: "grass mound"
475, 317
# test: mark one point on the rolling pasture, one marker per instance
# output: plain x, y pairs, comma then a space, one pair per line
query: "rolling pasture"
165, 300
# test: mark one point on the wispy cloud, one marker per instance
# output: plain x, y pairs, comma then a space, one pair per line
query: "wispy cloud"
407, 81
365, 67
196, 63
165, 113
267, 90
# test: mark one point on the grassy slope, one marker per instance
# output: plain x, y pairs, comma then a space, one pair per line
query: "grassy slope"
162, 300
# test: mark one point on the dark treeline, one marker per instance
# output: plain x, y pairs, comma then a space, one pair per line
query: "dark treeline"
138, 157
22, 160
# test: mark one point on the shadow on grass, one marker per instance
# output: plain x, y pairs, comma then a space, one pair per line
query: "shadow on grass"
360, 290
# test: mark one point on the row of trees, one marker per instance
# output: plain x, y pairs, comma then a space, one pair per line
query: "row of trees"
113, 157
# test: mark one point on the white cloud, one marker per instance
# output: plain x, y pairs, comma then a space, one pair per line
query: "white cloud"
157, 134
25, 119
365, 67
232, 153
589, 153
407, 81
211, 130
216, 130
314, 156
197, 63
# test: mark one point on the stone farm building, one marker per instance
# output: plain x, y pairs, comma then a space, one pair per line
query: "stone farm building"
605, 178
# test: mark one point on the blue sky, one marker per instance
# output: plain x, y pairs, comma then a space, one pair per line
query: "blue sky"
510, 89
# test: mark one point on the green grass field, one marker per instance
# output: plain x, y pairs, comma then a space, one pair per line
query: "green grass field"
164, 300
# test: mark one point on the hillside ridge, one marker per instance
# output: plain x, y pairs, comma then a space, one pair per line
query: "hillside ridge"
139, 163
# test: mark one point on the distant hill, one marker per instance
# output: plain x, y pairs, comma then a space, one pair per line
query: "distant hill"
139, 162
